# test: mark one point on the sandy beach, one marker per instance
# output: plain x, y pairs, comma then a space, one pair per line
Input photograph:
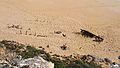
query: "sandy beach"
35, 22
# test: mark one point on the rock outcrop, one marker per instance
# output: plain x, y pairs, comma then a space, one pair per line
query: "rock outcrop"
17, 55
36, 62
115, 65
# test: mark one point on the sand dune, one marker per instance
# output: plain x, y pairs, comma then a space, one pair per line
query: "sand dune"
39, 19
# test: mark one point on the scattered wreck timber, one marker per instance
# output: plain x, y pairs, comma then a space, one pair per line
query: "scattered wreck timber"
86, 33
98, 39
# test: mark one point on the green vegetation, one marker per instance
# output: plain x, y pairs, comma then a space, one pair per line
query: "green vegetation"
30, 52
75, 64
82, 64
58, 63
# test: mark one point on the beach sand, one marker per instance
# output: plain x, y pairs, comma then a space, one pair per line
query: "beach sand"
35, 22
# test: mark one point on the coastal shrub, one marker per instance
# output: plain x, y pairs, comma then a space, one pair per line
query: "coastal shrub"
30, 52
73, 64
84, 64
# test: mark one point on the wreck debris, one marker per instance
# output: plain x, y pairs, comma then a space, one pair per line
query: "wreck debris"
35, 34
48, 46
14, 26
29, 28
64, 35
26, 32
20, 32
41, 35
64, 47
57, 32
119, 57
98, 39
86, 33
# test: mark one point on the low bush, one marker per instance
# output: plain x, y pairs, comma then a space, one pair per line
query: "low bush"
30, 52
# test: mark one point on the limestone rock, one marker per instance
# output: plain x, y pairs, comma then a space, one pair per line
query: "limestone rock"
36, 62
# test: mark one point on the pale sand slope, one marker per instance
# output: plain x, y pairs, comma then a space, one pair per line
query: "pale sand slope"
101, 17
